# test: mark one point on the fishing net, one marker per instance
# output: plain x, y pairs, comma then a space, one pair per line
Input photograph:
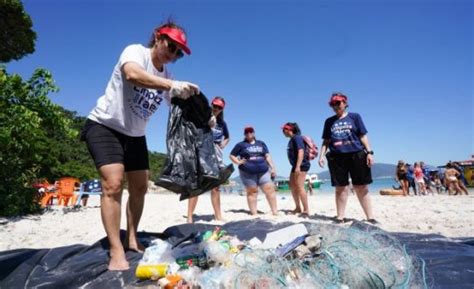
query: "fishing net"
354, 257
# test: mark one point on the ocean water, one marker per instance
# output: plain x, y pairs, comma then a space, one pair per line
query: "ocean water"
326, 188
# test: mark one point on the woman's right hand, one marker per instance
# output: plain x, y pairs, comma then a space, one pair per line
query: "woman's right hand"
242, 162
183, 89
321, 162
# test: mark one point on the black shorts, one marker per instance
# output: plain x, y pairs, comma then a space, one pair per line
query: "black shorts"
108, 146
302, 168
353, 164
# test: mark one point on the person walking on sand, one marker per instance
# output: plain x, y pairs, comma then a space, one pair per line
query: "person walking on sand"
402, 178
300, 165
256, 169
420, 179
451, 178
221, 140
350, 154
115, 130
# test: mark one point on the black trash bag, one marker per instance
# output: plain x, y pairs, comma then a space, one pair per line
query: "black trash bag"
191, 166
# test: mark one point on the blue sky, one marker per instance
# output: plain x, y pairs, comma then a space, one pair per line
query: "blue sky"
407, 66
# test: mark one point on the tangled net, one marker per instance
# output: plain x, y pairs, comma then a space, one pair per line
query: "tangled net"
348, 258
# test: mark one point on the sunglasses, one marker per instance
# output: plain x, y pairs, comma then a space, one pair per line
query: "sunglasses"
336, 104
217, 107
173, 49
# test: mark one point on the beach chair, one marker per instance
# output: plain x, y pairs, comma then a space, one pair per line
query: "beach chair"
92, 187
65, 190
46, 193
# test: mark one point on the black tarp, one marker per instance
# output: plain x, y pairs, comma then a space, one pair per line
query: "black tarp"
449, 262
191, 166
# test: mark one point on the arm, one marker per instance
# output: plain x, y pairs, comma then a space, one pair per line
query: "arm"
135, 74
322, 153
271, 164
225, 142
299, 160
365, 141
236, 160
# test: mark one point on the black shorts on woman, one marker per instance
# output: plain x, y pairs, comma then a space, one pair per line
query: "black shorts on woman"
108, 146
353, 164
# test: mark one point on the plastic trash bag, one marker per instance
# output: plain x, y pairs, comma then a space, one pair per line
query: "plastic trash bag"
191, 166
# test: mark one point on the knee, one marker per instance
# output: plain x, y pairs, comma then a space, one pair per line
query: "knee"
138, 189
112, 187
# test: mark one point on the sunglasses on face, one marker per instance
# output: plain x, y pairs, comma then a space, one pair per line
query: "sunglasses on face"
336, 104
217, 107
173, 49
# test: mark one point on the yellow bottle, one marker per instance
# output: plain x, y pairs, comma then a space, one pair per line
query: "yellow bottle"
153, 272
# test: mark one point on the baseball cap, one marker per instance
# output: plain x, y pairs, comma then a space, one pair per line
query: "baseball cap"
178, 36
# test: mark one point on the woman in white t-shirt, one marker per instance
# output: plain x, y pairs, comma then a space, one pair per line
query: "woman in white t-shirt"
115, 129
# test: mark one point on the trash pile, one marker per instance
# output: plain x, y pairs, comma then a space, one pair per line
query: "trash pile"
292, 257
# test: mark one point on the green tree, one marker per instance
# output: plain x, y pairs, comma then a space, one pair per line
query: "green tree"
17, 39
27, 116
157, 161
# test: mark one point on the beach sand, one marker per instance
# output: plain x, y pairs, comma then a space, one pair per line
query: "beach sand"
451, 216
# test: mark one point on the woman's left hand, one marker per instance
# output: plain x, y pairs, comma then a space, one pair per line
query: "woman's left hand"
370, 160
273, 173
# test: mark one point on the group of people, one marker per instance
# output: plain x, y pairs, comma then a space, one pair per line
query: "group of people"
140, 83
422, 180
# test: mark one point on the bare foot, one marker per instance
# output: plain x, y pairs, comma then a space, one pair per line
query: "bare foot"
118, 262
135, 245
190, 220
304, 215
296, 211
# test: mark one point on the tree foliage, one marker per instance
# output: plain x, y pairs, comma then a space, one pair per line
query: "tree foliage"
27, 120
17, 38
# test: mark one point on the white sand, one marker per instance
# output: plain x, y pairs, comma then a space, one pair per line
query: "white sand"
451, 216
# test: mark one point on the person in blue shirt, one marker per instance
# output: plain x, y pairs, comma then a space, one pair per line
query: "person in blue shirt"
256, 169
345, 136
221, 138
300, 165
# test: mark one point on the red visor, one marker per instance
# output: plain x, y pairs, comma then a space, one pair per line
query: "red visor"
288, 127
177, 36
218, 102
248, 129
337, 98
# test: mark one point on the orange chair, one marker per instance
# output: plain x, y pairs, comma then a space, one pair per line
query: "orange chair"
65, 190
48, 195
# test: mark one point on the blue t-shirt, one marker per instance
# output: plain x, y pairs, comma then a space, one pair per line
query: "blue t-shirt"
254, 154
344, 134
220, 132
294, 145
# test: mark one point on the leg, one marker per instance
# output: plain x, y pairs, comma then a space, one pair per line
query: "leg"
364, 200
294, 193
341, 201
110, 206
269, 190
137, 188
252, 199
192, 202
303, 196
216, 203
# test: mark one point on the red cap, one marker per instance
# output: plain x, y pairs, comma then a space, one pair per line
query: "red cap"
218, 102
248, 129
287, 126
336, 98
178, 36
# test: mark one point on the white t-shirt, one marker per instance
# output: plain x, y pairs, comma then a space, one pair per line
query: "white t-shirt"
126, 107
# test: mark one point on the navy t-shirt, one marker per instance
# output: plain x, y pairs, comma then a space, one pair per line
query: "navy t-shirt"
294, 145
220, 132
344, 134
254, 154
